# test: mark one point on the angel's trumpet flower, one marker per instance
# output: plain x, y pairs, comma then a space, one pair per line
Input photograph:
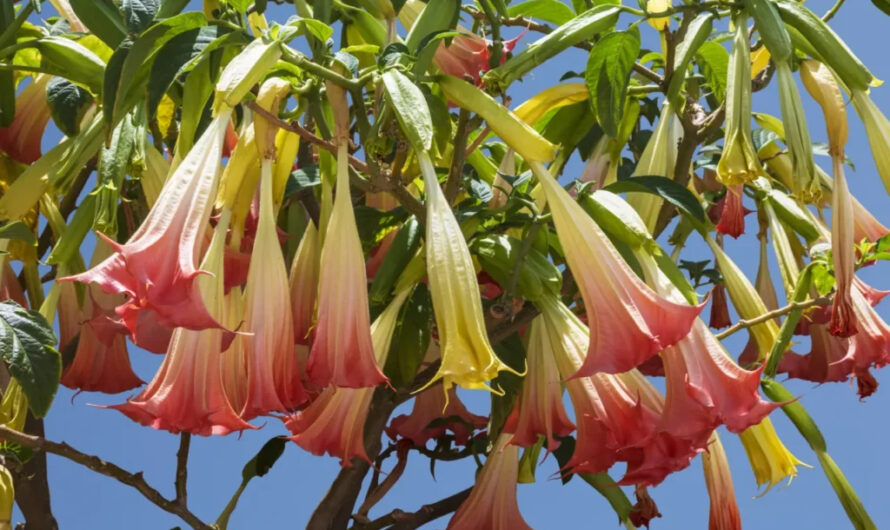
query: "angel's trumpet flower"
467, 357
187, 395
820, 83
629, 322
738, 162
770, 460
273, 372
659, 158
825, 362
870, 346
877, 128
303, 281
719, 308
539, 409
724, 512
156, 268
234, 362
21, 140
431, 406
101, 363
334, 422
492, 504
732, 213
342, 352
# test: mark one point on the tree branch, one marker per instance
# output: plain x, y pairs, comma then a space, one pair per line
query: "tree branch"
182, 459
32, 486
742, 324
397, 519
108, 469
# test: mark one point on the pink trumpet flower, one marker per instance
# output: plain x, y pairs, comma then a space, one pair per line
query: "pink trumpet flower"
21, 140
825, 362
724, 512
303, 281
273, 373
468, 55
705, 388
101, 363
342, 352
870, 346
865, 226
732, 212
492, 503
539, 408
10, 288
334, 422
629, 322
430, 406
156, 268
187, 394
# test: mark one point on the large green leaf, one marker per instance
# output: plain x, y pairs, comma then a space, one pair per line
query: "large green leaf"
169, 8
552, 11
177, 53
265, 458
404, 247
67, 104
696, 34
27, 345
713, 61
102, 18
665, 188
68, 59
411, 109
410, 338
139, 14
607, 75
436, 17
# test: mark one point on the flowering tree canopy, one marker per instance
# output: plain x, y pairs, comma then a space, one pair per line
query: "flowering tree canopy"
316, 220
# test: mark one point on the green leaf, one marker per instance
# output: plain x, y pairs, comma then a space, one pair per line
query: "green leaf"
102, 18
139, 14
883, 5
607, 76
67, 104
373, 224
177, 53
27, 345
552, 11
169, 8
138, 61
411, 337
436, 17
311, 26
66, 58
696, 35
265, 458
239, 5
411, 109
19, 231
665, 188
403, 248
713, 61
113, 73
529, 461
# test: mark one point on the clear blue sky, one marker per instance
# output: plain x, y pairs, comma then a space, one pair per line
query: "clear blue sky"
856, 432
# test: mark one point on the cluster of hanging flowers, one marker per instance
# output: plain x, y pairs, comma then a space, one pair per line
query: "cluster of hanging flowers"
285, 279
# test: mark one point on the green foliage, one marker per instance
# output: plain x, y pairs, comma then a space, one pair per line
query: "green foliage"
27, 345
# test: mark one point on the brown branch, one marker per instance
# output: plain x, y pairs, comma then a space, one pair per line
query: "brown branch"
135, 480
452, 185
305, 134
397, 519
182, 460
766, 317
32, 486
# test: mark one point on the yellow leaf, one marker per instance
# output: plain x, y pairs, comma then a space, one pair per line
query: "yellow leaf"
554, 97
759, 61
166, 109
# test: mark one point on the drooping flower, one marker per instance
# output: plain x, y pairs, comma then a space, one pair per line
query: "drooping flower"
659, 158
21, 140
234, 358
156, 268
870, 346
273, 373
628, 321
430, 406
467, 357
724, 512
186, 394
732, 213
738, 161
719, 308
303, 280
865, 225
770, 460
644, 510
10, 288
342, 352
334, 422
64, 9
539, 409
804, 183
659, 6
492, 504
825, 362
101, 363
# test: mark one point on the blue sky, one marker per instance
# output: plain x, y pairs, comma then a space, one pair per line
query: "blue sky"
855, 431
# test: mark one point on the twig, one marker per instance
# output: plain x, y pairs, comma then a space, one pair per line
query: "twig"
182, 460
430, 512
305, 134
452, 185
742, 324
135, 480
